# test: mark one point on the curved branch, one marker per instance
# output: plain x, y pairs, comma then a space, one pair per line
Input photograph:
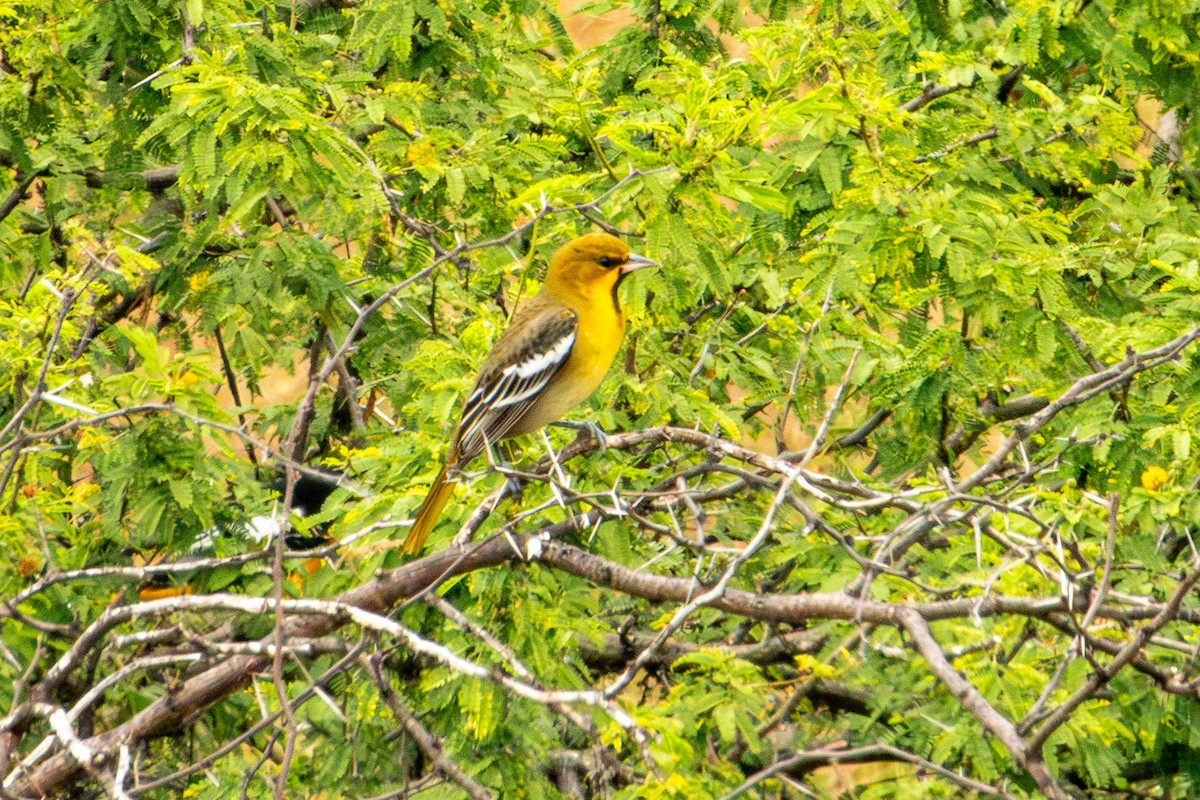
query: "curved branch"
60, 772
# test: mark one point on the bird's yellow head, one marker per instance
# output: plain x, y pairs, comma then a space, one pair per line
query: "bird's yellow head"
590, 267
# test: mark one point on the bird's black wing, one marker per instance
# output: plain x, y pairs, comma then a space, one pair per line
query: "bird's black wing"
528, 355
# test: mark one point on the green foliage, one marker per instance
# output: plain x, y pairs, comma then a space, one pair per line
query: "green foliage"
183, 220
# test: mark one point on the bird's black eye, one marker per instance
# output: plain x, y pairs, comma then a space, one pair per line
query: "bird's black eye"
605, 261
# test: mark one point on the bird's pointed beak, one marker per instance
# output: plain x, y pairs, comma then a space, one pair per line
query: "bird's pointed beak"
635, 262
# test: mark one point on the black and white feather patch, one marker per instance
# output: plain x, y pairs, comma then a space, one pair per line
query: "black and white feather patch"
507, 387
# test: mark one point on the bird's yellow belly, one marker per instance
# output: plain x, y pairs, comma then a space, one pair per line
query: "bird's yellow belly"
574, 383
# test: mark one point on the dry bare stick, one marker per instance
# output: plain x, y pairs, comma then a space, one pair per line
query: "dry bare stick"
931, 92
968, 433
256, 768
819, 438
970, 699
519, 669
1098, 679
10, 738
481, 513
1085, 351
990, 133
322, 613
1165, 677
790, 395
68, 297
1035, 711
203, 690
94, 694
859, 435
815, 483
231, 382
616, 649
23, 182
295, 446
167, 713
483, 634
1079, 392
143, 573
348, 386
291, 731
801, 608
1101, 593
710, 596
809, 760
207, 761
429, 744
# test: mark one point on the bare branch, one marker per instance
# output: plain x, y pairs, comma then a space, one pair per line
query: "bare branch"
808, 760
429, 744
980, 708
1126, 654
929, 93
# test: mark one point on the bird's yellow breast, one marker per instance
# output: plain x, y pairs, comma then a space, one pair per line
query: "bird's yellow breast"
597, 340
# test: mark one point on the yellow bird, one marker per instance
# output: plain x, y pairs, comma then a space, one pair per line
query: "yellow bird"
550, 359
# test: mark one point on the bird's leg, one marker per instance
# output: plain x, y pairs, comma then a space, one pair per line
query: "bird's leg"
503, 465
594, 430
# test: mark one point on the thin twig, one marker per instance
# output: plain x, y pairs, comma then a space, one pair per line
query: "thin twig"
429, 744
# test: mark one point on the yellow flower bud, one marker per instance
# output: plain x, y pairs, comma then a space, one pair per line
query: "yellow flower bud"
1154, 478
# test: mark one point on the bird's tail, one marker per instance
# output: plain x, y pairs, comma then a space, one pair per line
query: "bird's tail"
431, 509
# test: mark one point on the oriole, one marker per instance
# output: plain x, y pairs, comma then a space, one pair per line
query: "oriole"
548, 360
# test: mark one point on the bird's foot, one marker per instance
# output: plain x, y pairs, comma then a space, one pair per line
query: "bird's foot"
514, 487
